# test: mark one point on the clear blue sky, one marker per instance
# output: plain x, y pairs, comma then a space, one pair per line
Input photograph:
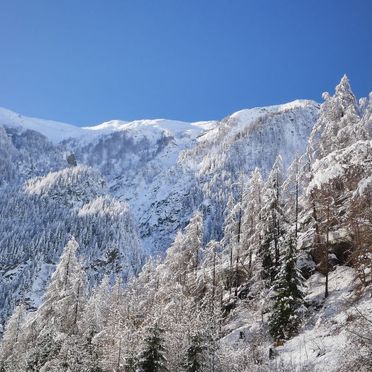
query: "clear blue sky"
87, 61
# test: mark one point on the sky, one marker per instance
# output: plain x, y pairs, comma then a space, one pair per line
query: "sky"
88, 61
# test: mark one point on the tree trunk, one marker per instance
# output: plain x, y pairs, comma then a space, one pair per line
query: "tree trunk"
326, 251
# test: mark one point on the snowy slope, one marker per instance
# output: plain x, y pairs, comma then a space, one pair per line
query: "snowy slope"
129, 187
57, 131
163, 168
329, 326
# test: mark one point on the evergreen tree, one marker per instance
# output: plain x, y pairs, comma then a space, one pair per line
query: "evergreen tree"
195, 358
288, 296
274, 223
152, 358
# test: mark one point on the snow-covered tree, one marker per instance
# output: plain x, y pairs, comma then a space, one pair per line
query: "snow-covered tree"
339, 122
109, 341
195, 358
184, 255
55, 323
153, 356
12, 347
96, 311
251, 229
288, 298
194, 239
232, 240
291, 194
65, 296
273, 220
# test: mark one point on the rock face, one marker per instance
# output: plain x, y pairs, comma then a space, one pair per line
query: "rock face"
134, 186
71, 160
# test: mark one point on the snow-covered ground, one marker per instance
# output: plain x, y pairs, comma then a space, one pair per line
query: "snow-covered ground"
329, 326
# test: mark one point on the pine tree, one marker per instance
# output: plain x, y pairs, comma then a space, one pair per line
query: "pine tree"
195, 358
274, 223
152, 358
288, 297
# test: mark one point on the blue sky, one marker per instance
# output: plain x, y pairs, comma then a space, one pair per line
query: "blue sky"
87, 61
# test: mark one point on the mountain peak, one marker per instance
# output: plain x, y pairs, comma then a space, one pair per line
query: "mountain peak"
57, 131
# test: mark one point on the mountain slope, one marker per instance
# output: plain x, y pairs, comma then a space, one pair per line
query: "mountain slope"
164, 170
39, 216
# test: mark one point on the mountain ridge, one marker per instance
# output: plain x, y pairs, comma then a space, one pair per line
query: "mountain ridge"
63, 131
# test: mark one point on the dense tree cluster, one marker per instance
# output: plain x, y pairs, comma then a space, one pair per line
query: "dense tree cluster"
37, 219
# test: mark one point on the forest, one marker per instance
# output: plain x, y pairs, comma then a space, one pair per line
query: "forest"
241, 299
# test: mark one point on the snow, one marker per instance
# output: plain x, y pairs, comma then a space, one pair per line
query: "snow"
143, 160
253, 113
334, 164
363, 185
173, 127
57, 131
324, 340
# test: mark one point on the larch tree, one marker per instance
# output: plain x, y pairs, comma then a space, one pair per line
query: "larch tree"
231, 240
109, 341
251, 231
65, 296
55, 323
12, 347
338, 124
291, 194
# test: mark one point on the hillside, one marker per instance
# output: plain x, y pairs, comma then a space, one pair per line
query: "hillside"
242, 244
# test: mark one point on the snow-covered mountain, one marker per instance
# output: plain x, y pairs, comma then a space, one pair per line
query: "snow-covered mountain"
163, 169
263, 224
